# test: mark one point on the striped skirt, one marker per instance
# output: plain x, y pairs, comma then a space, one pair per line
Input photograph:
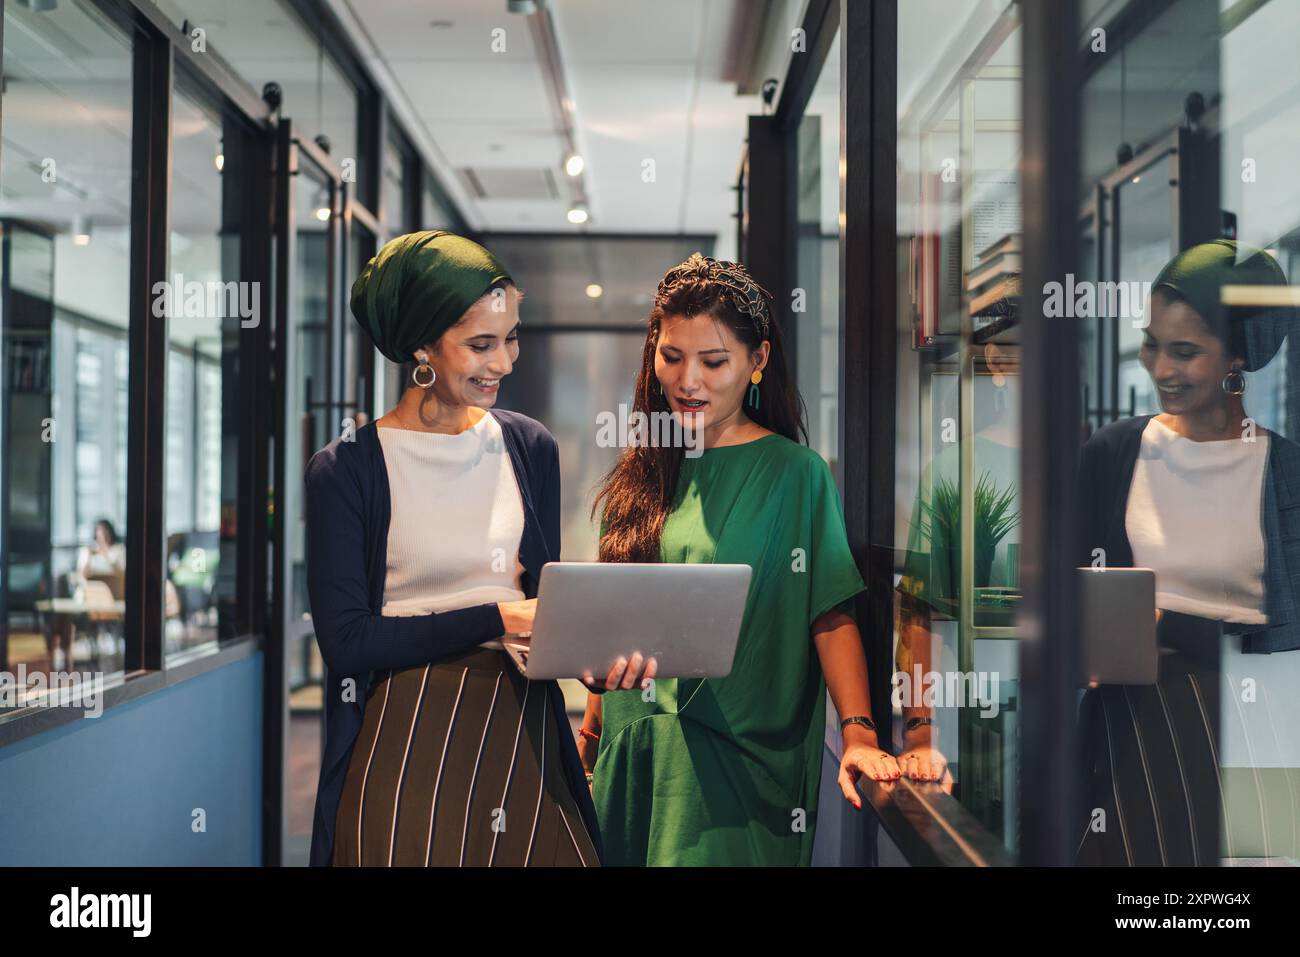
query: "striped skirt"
1189, 771
1151, 767
458, 763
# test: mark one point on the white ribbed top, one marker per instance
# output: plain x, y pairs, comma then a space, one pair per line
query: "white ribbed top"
457, 519
1194, 517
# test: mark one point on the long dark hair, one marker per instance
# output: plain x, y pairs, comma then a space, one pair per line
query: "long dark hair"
638, 492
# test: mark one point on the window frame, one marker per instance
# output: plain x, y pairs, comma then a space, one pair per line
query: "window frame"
160, 55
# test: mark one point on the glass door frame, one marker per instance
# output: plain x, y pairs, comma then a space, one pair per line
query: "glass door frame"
8, 227
292, 154
926, 830
360, 394
1104, 208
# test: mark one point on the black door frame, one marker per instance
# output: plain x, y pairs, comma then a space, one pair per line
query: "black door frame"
292, 153
767, 183
1049, 798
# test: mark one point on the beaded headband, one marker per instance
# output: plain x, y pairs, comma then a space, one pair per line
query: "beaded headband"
745, 294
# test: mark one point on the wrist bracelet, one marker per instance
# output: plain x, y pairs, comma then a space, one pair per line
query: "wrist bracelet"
914, 723
858, 719
589, 735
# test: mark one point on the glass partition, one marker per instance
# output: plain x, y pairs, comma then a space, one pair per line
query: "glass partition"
816, 305
65, 246
955, 685
398, 185
268, 41
208, 306
1188, 569
310, 422
1258, 127
313, 418
357, 354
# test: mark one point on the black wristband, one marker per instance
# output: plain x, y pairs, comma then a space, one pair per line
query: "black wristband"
858, 719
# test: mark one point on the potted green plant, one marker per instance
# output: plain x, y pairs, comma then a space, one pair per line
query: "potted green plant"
940, 526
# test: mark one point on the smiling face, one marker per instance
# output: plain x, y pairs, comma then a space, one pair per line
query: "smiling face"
704, 369
1185, 359
473, 356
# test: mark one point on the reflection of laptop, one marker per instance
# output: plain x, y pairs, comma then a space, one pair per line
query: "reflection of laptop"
1118, 613
589, 614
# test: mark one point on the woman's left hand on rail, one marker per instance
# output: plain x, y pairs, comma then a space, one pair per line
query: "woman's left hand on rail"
860, 759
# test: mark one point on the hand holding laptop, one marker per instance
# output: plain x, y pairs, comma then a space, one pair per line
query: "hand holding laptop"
517, 616
628, 671
626, 623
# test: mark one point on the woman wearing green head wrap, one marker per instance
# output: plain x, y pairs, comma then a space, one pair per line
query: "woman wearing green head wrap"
1204, 497
426, 535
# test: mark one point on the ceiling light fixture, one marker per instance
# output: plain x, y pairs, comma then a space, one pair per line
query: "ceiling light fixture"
574, 165
80, 230
594, 291
324, 207
578, 215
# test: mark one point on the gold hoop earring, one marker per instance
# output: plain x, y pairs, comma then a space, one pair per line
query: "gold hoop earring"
423, 358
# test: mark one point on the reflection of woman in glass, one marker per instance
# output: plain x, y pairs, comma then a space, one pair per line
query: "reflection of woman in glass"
929, 588
1205, 498
726, 771
426, 535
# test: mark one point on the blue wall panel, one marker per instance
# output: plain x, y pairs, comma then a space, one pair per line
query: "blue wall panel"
121, 789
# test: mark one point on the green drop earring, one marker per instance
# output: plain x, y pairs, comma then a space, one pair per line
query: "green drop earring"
754, 380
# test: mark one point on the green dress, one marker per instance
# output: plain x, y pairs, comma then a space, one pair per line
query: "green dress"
726, 771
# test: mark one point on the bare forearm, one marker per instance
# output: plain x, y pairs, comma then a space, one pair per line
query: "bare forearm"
591, 721
839, 647
591, 718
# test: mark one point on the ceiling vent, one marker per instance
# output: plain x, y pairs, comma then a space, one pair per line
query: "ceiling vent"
537, 184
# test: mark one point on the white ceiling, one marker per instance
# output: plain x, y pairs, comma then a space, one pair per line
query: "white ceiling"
647, 81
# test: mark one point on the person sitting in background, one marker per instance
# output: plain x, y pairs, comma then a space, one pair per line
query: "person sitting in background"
104, 559
103, 562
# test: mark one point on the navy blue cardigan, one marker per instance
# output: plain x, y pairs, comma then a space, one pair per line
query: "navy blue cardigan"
348, 510
1106, 469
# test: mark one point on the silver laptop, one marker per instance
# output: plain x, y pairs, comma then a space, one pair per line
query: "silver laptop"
589, 614
1118, 613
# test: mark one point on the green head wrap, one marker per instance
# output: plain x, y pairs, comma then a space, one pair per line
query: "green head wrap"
418, 286
1198, 275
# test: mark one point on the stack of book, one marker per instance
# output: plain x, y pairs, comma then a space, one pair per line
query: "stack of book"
993, 286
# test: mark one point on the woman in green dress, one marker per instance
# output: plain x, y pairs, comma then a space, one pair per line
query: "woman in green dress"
726, 771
